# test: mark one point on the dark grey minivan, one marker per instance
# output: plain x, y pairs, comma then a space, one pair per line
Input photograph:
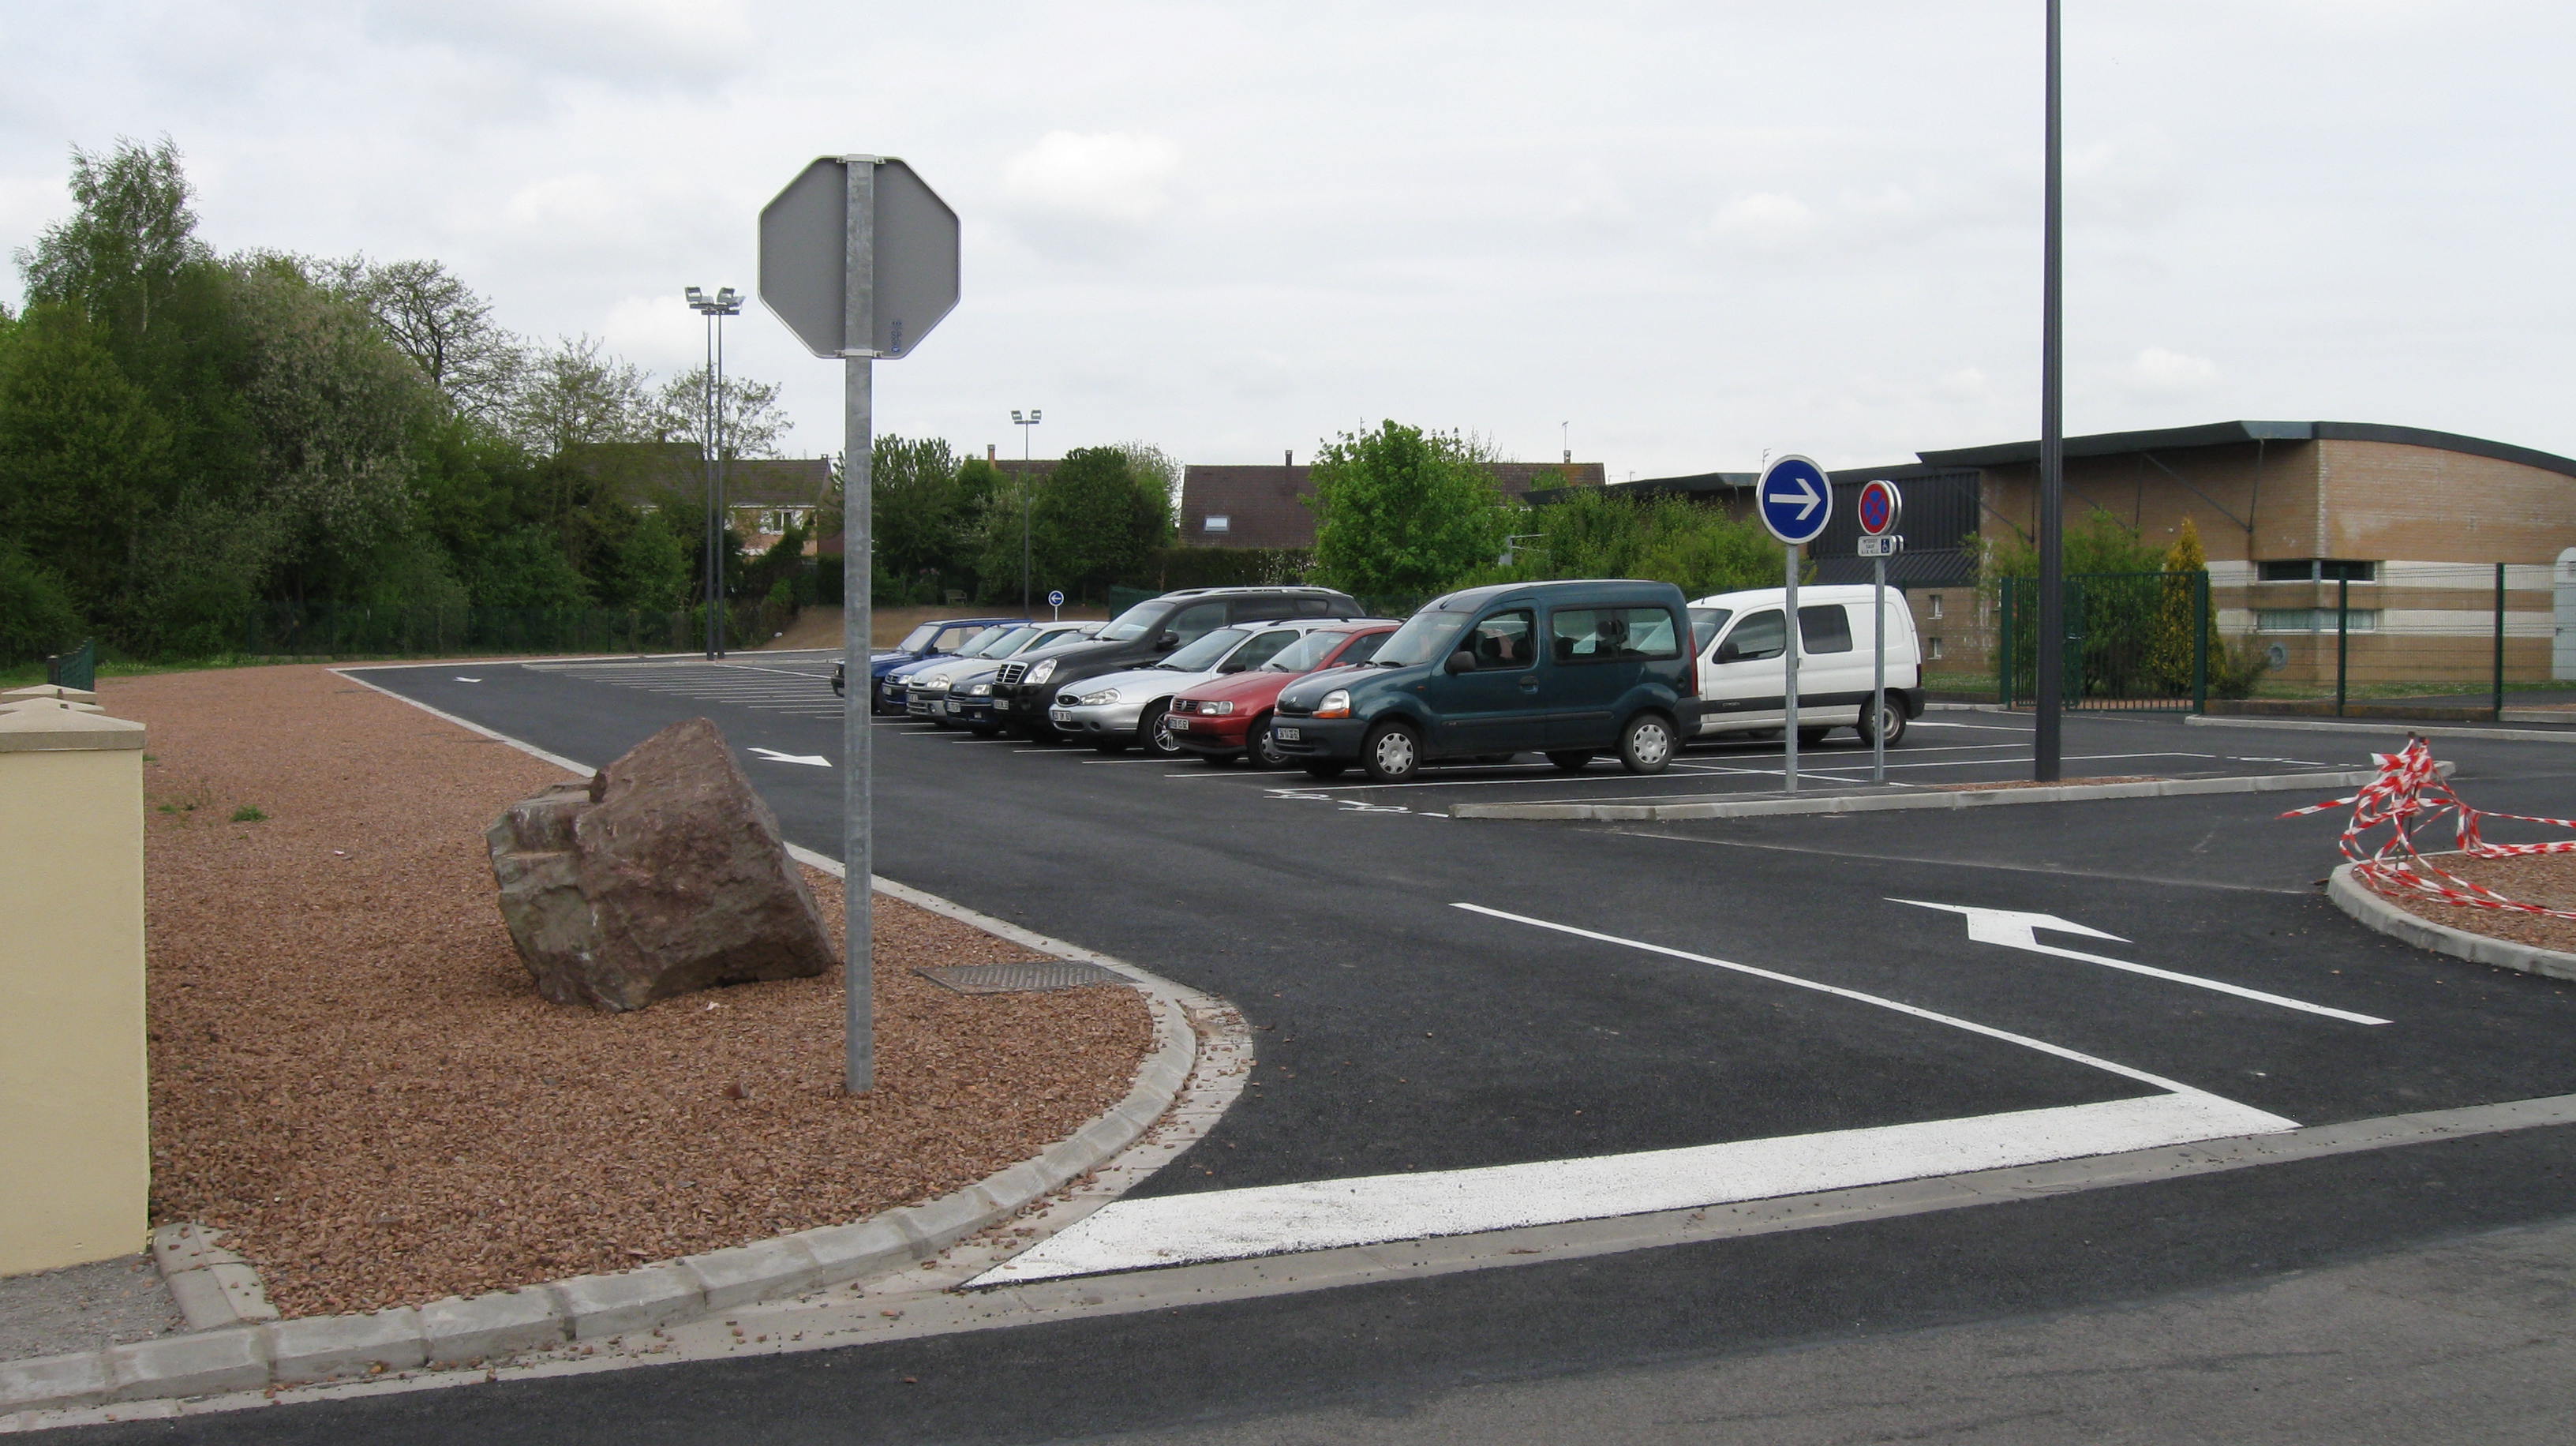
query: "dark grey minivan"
1569, 669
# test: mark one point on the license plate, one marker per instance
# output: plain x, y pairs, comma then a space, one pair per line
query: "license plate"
1060, 715
1181, 725
1286, 735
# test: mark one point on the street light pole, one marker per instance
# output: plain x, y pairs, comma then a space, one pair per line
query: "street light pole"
2049, 677
1024, 422
726, 302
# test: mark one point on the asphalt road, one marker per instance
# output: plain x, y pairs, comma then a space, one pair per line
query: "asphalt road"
1398, 1032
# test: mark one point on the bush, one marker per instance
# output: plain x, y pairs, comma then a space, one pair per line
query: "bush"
36, 617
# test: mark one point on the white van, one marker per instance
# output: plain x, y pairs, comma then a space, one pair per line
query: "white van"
1743, 679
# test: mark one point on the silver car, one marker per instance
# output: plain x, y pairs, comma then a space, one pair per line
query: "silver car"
1116, 711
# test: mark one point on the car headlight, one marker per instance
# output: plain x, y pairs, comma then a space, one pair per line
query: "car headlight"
1094, 700
1220, 709
980, 690
1336, 704
1042, 671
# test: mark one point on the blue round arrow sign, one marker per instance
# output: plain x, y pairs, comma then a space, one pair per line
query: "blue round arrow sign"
1795, 499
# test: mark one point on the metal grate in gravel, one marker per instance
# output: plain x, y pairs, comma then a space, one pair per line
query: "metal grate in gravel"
1019, 975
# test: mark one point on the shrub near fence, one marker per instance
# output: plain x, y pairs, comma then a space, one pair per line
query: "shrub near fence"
284, 630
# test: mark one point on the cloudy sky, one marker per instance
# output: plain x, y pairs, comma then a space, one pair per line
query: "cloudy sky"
1689, 233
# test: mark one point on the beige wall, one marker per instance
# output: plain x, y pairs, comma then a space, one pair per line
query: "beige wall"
75, 1146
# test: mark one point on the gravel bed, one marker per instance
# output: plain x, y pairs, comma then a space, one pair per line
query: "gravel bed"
2548, 880
85, 1308
354, 1079
2034, 783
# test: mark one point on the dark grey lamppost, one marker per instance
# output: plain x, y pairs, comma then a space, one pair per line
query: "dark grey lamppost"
726, 302
2049, 676
1025, 421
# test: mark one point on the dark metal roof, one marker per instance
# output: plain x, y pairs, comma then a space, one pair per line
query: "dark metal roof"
2239, 433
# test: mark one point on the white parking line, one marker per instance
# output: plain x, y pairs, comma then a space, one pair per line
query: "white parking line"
1136, 1234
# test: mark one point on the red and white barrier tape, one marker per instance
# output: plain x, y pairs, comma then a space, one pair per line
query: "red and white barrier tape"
2410, 794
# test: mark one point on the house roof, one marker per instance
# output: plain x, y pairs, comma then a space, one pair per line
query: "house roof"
777, 481
1264, 505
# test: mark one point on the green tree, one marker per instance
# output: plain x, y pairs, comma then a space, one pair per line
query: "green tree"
1095, 519
444, 327
913, 492
574, 394
36, 616
747, 410
131, 235
1403, 511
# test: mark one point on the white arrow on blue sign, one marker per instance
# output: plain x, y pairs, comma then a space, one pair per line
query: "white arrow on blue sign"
1795, 498
1055, 599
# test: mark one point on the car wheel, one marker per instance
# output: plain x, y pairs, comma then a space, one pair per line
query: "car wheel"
1325, 768
1810, 737
1154, 730
1646, 744
1572, 760
1890, 719
1109, 745
1265, 751
1392, 754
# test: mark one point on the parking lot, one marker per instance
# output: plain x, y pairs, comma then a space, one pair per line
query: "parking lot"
1527, 1021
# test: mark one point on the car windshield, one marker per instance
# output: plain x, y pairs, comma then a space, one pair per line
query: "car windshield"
918, 638
1131, 624
1205, 654
974, 647
1426, 637
1706, 624
1303, 655
1008, 643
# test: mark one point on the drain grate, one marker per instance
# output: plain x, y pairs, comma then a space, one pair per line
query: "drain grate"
1019, 975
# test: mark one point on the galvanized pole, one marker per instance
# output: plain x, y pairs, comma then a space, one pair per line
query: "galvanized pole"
1878, 669
1789, 651
2343, 638
715, 428
712, 535
2047, 746
858, 573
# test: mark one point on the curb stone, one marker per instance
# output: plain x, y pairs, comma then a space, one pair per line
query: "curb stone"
2363, 903
1891, 802
2347, 725
246, 1352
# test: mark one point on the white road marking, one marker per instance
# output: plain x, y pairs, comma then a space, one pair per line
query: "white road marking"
2014, 929
1326, 1214
811, 760
463, 679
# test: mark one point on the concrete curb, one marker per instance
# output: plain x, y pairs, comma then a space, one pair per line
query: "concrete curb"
2365, 904
1887, 802
246, 1352
2345, 725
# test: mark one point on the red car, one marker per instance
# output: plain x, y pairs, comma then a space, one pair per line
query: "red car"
1229, 717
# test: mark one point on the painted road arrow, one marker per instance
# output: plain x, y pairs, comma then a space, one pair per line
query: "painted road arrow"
772, 755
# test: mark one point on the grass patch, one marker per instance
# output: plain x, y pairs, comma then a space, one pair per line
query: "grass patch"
249, 813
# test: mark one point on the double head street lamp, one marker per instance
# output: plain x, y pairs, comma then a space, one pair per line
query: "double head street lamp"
726, 302
1024, 421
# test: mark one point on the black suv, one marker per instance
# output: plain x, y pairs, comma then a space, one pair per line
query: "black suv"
1144, 634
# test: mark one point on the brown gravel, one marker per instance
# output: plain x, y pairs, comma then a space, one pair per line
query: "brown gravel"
2548, 880
353, 1077
2035, 783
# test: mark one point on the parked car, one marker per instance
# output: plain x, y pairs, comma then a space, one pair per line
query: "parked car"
928, 640
970, 694
1744, 673
1148, 632
927, 686
1116, 711
1229, 718
900, 681
1569, 669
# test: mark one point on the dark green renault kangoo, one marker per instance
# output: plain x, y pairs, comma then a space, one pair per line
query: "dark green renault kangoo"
1569, 669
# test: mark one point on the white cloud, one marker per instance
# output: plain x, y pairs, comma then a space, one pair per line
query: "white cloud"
1114, 176
1762, 221
2164, 372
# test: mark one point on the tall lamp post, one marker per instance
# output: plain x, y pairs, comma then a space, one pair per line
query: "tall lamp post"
2049, 677
1024, 421
715, 309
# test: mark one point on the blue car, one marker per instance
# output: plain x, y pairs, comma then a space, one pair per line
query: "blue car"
932, 639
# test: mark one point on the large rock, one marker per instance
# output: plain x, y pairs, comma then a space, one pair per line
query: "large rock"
663, 874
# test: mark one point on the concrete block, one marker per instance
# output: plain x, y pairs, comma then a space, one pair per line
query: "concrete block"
631, 1300
202, 1301
242, 1290
762, 1270
186, 1247
51, 1382
488, 1327
1017, 1186
854, 1252
328, 1347
204, 1363
941, 1222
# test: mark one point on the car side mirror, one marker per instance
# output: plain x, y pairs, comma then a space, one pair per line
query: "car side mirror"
1461, 661
1232, 667
1167, 642
1727, 652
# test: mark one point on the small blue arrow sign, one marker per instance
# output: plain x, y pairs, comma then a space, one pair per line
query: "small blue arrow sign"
1795, 498
1055, 599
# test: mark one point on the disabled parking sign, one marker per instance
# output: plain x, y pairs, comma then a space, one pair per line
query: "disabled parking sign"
1795, 498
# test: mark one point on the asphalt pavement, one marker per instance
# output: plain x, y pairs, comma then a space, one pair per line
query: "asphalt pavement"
1459, 999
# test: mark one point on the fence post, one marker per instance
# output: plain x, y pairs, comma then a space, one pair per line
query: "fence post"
2343, 637
2200, 641
2005, 643
2499, 644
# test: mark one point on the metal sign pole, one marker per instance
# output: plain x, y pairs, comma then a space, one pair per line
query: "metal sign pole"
1789, 651
858, 576
1878, 669
2050, 675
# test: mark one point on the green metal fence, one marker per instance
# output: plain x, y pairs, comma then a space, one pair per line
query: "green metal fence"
2135, 641
284, 630
75, 669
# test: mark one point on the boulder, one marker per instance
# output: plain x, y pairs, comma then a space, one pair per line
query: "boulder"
663, 874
